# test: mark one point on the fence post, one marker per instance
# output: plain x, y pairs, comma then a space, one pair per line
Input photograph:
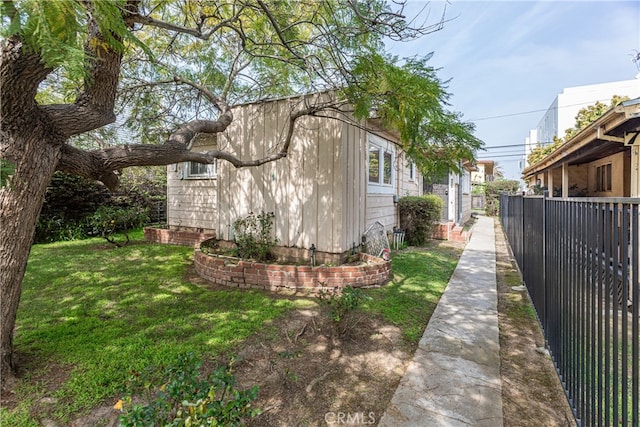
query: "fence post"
545, 195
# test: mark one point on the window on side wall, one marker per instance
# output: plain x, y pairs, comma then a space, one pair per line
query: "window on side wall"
412, 170
603, 178
194, 170
381, 170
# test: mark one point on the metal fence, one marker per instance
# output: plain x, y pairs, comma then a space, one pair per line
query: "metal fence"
579, 260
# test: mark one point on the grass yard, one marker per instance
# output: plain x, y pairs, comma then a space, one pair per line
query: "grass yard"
90, 314
420, 277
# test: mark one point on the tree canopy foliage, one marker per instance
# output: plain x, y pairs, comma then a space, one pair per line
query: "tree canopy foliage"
188, 61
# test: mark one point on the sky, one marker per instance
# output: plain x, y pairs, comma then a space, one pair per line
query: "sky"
508, 60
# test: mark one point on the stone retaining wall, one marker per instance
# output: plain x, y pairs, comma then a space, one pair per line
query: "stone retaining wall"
235, 272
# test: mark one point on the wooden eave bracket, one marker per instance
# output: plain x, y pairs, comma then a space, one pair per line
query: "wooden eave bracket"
603, 136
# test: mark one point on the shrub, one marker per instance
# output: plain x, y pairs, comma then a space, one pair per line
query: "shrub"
178, 396
492, 194
341, 305
418, 216
69, 203
254, 236
108, 220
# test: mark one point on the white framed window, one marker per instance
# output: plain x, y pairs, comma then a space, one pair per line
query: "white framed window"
412, 170
380, 161
194, 170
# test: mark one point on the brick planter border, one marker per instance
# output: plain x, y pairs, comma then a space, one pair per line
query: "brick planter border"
176, 237
235, 272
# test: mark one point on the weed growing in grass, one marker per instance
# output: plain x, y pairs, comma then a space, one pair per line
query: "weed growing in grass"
179, 397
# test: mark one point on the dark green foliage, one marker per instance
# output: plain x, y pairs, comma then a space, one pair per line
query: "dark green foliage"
178, 396
71, 203
254, 236
418, 216
492, 194
408, 96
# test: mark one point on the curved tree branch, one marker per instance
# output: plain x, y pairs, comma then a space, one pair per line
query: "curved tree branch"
21, 72
195, 32
94, 107
102, 165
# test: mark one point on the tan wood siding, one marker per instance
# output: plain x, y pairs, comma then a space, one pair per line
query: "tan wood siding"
618, 187
191, 202
303, 189
354, 170
407, 185
380, 207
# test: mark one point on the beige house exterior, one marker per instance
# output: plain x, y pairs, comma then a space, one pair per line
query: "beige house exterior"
603, 160
339, 177
483, 172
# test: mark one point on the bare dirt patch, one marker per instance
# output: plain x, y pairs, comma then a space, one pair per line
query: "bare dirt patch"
532, 395
316, 372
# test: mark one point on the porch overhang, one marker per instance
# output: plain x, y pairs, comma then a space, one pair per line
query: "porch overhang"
615, 131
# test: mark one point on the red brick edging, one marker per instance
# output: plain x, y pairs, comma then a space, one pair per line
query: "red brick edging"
175, 237
235, 272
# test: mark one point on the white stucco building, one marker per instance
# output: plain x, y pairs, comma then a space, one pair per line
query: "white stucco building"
561, 114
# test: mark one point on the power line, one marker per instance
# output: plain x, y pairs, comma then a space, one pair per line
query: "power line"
505, 146
503, 155
521, 113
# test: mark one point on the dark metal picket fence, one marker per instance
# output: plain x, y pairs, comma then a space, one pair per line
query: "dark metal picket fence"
579, 260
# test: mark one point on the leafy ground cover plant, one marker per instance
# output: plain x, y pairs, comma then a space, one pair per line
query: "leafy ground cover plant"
178, 396
341, 306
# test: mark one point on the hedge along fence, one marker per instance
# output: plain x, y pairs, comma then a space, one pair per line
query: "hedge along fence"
419, 216
493, 191
235, 272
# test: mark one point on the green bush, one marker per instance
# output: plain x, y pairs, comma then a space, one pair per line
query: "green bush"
71, 202
418, 217
108, 220
342, 305
492, 194
178, 396
254, 236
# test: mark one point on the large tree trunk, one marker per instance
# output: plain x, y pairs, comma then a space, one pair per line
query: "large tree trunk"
20, 204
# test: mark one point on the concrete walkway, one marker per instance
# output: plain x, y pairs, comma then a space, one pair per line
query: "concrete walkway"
454, 378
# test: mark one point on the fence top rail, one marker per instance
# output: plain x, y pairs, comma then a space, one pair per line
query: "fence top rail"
621, 200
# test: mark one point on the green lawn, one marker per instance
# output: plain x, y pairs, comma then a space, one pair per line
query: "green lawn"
94, 314
420, 277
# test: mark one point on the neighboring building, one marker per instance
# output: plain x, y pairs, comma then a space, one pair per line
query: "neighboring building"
339, 177
561, 114
602, 160
483, 173
455, 191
